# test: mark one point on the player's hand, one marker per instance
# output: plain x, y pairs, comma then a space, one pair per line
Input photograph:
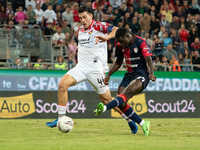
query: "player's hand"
100, 39
152, 77
106, 79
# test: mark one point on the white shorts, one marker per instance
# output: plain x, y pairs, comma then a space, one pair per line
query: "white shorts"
95, 77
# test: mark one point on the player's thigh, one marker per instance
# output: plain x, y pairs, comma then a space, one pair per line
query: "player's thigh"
120, 90
96, 80
72, 77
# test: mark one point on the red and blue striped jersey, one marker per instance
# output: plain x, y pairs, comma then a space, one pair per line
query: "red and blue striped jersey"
135, 54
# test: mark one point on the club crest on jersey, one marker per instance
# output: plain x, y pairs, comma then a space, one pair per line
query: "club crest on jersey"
135, 50
91, 32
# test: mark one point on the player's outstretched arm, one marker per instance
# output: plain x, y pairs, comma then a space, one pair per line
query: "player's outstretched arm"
111, 35
152, 77
113, 69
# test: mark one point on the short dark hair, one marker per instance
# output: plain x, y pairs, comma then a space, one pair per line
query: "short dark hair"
85, 9
121, 32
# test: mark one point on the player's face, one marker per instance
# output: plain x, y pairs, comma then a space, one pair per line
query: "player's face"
124, 42
86, 19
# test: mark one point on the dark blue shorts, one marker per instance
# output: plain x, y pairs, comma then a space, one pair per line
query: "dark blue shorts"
142, 75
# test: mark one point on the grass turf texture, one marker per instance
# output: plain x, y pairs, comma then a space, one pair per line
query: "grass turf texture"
99, 134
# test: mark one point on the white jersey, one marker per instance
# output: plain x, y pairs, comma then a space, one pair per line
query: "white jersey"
88, 51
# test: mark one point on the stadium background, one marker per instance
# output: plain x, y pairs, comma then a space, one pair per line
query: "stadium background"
39, 45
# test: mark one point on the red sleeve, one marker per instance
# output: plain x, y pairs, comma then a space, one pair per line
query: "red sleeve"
102, 27
145, 49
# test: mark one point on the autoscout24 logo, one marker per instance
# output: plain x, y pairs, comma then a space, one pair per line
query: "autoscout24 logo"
17, 106
138, 103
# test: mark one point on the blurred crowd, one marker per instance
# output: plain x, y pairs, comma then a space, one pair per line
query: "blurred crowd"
170, 27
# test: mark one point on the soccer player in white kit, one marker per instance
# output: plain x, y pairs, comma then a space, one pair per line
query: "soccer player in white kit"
92, 63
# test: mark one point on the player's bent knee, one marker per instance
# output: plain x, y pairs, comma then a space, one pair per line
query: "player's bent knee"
121, 107
65, 83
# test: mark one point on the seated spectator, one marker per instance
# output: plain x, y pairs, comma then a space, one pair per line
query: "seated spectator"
49, 15
66, 29
182, 21
109, 13
162, 31
45, 5
61, 65
126, 20
164, 63
72, 48
67, 38
175, 64
59, 18
196, 61
179, 13
166, 4
135, 26
181, 59
187, 59
145, 23
122, 10
192, 35
185, 47
154, 27
165, 23
189, 23
98, 14
20, 15
104, 5
68, 16
153, 12
41, 2
176, 41
10, 18
195, 9
131, 12
168, 13
157, 48
149, 41
136, 14
142, 9
3, 15
185, 7
157, 5
30, 2
18, 3
105, 19
169, 52
156, 62
174, 24
165, 41
9, 9
17, 64
195, 46
95, 4
58, 36
58, 9
177, 4
116, 17
183, 33
75, 15
31, 15
48, 31
39, 14
38, 65
116, 4
10, 25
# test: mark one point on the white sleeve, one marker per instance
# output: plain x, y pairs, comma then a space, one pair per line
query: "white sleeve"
44, 14
63, 36
33, 5
54, 37
54, 16
26, 4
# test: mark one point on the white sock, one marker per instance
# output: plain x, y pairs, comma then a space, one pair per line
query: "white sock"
142, 122
105, 108
61, 111
125, 117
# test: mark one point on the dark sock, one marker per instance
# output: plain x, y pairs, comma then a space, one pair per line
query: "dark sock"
128, 111
119, 100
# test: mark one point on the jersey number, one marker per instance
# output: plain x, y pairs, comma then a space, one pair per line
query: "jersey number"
100, 81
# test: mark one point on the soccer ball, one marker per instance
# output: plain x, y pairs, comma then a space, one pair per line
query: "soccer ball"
65, 124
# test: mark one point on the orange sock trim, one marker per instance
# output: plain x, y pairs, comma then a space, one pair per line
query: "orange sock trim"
126, 108
123, 97
62, 105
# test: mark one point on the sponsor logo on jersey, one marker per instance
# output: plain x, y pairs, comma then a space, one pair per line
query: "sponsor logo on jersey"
91, 32
84, 41
138, 103
17, 106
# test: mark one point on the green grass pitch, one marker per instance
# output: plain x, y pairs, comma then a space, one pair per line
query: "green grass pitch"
99, 134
